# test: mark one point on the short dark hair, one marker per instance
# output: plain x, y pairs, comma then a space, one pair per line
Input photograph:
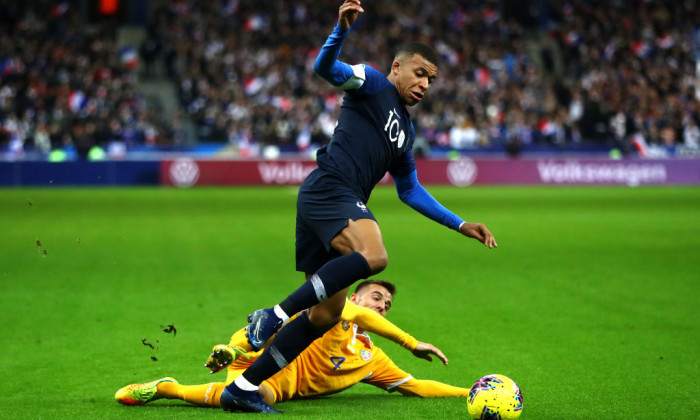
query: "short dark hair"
391, 287
409, 49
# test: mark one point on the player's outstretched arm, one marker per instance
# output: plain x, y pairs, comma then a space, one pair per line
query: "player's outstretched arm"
390, 377
356, 78
428, 388
411, 192
372, 322
327, 65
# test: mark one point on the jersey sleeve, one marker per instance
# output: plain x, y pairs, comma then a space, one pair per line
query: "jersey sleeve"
327, 65
428, 388
391, 378
356, 79
372, 322
411, 192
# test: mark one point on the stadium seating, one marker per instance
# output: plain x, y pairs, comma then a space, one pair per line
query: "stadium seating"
558, 75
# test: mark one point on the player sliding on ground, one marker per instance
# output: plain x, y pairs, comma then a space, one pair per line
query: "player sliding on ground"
338, 239
343, 357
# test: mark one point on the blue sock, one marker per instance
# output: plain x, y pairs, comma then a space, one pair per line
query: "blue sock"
334, 276
289, 342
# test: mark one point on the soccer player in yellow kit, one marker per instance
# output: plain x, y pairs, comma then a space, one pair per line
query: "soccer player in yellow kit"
344, 356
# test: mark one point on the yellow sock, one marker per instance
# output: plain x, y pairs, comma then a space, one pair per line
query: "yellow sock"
206, 394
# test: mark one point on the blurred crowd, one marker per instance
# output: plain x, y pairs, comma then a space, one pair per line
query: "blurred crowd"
621, 73
617, 72
244, 69
65, 85
631, 70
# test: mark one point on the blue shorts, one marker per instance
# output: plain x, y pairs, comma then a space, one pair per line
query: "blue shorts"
324, 206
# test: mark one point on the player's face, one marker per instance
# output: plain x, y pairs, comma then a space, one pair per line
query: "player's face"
413, 77
374, 297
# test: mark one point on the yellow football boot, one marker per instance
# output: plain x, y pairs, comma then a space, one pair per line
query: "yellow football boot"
140, 394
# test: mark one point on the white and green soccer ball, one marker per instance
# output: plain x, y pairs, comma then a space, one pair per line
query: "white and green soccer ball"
495, 397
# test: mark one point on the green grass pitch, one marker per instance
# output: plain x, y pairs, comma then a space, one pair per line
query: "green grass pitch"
590, 303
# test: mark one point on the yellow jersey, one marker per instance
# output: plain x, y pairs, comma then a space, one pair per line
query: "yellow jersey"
342, 358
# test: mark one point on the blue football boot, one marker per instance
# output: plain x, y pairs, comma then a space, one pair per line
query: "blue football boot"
262, 324
235, 399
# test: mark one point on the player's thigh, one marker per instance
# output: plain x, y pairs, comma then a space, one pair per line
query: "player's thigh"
363, 236
326, 211
311, 252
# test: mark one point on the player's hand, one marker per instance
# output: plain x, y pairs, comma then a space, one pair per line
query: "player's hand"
479, 232
223, 355
426, 350
348, 13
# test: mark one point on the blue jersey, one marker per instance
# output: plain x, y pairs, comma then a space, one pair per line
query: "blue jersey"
374, 134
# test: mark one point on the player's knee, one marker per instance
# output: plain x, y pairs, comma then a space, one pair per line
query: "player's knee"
377, 261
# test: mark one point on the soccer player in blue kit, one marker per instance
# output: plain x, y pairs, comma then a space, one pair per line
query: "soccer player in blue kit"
338, 239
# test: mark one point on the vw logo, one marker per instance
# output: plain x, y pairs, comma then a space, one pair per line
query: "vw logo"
184, 172
462, 172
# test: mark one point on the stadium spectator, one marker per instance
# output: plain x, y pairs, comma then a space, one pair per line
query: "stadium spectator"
356, 357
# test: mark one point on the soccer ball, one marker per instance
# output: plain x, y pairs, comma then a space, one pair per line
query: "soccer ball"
495, 397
